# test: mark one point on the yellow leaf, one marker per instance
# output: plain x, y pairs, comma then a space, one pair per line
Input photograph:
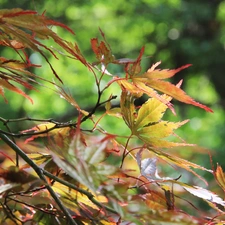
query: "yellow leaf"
140, 83
130, 87
114, 112
187, 165
160, 129
151, 111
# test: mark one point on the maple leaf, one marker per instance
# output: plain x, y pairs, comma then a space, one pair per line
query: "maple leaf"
153, 80
147, 167
182, 163
102, 52
23, 27
146, 123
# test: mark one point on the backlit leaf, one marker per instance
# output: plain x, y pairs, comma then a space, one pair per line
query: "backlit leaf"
153, 78
4, 83
154, 133
146, 122
220, 177
174, 92
150, 112
102, 52
151, 81
45, 130
182, 163
204, 194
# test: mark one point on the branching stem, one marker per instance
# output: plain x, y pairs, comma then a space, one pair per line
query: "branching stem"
39, 172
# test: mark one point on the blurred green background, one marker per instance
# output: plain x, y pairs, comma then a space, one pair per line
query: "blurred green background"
176, 32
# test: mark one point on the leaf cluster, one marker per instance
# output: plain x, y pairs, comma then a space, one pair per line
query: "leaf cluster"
73, 173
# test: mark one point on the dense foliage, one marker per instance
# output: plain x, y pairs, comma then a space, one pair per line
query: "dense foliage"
77, 172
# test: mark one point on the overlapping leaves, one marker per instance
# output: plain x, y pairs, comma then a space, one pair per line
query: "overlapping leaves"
146, 122
81, 160
153, 81
24, 29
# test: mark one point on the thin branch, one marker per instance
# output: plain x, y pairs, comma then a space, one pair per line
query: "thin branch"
39, 172
57, 125
13, 139
32, 206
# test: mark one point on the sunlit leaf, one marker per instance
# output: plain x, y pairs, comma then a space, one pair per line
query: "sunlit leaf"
150, 112
134, 68
204, 194
152, 80
39, 158
154, 134
187, 165
146, 122
102, 52
11, 87
220, 177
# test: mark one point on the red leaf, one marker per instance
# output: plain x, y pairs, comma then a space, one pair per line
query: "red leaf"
102, 52
153, 79
15, 12
95, 48
9, 86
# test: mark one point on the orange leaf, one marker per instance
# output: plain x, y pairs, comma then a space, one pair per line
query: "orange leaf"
220, 177
163, 74
103, 54
9, 86
175, 92
152, 78
12, 43
95, 48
